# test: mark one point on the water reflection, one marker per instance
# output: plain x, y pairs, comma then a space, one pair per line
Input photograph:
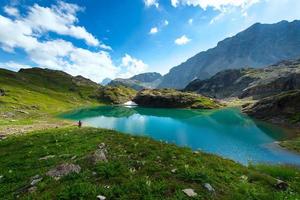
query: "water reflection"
226, 132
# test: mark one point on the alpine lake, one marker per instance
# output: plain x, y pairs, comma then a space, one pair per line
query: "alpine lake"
224, 132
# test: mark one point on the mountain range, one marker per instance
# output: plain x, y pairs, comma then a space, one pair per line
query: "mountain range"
257, 83
258, 46
148, 80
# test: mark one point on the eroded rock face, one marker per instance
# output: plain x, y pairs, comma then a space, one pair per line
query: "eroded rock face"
282, 108
63, 170
257, 83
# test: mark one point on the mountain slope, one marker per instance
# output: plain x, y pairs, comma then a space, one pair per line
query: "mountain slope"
257, 83
34, 96
258, 46
140, 81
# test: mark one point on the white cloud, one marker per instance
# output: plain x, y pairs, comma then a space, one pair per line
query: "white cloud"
174, 3
14, 66
182, 40
215, 4
11, 11
150, 3
191, 20
27, 34
166, 22
131, 66
153, 30
60, 19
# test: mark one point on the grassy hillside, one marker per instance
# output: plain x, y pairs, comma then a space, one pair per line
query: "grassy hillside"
116, 94
133, 168
33, 95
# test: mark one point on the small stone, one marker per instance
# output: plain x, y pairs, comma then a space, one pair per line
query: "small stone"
32, 189
100, 197
106, 186
190, 192
244, 178
74, 157
209, 187
196, 152
47, 157
173, 171
35, 180
281, 185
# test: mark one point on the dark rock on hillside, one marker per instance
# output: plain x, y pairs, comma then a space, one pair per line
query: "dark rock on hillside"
283, 108
168, 98
257, 83
138, 82
2, 92
258, 46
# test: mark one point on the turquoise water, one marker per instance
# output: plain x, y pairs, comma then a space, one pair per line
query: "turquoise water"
225, 132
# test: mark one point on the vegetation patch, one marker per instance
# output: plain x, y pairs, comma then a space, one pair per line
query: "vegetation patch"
136, 168
170, 98
116, 94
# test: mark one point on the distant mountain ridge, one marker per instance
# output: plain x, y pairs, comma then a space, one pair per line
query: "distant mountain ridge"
257, 83
258, 46
148, 80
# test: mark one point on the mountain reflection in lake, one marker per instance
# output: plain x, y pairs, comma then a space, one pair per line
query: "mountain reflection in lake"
225, 132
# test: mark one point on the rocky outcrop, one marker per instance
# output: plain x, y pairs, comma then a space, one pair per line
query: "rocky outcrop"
168, 98
116, 94
63, 170
257, 83
258, 46
283, 108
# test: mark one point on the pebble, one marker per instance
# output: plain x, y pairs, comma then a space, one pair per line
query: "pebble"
209, 187
100, 197
173, 170
190, 192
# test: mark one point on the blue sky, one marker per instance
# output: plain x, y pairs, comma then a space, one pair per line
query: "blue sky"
113, 38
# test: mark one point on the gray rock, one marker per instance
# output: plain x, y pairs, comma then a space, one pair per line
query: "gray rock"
100, 155
281, 185
209, 187
36, 180
63, 170
47, 157
190, 192
101, 197
174, 170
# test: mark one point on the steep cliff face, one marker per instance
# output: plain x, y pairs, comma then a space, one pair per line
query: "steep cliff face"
282, 108
257, 83
258, 46
168, 98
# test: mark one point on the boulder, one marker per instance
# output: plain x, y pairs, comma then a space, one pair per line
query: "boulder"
281, 185
63, 170
100, 155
